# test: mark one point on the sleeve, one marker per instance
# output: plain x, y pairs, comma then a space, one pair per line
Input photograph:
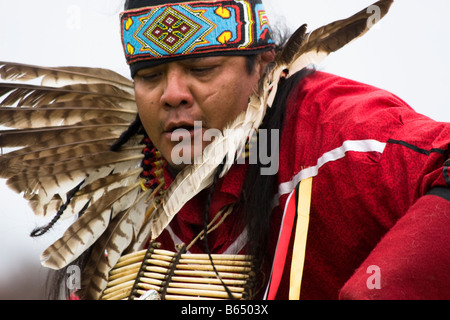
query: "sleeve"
412, 261
386, 212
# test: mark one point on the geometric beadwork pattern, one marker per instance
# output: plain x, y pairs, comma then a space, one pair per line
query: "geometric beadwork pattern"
171, 29
193, 28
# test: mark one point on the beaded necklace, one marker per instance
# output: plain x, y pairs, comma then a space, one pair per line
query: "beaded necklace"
153, 163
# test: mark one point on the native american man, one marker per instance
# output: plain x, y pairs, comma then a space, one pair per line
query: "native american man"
237, 147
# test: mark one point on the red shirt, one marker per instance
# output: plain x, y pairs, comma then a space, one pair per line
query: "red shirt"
373, 160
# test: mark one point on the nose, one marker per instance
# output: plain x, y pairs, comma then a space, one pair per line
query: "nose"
177, 91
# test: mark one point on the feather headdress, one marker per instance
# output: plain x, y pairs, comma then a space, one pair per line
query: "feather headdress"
61, 130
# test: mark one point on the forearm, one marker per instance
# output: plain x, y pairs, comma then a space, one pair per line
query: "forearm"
412, 261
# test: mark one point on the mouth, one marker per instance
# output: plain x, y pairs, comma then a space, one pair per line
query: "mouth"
171, 127
177, 130
183, 127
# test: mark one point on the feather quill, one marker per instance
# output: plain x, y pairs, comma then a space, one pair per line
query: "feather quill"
111, 127
49, 149
23, 118
28, 95
58, 77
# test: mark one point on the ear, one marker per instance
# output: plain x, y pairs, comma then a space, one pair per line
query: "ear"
268, 56
264, 59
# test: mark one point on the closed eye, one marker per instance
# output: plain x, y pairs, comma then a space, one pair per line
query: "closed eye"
150, 76
202, 71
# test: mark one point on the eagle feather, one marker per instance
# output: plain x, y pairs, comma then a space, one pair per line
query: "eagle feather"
60, 132
58, 77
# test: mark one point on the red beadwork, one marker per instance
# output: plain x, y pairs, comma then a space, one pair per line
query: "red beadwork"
152, 165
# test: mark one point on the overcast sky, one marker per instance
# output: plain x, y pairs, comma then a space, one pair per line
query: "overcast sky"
407, 54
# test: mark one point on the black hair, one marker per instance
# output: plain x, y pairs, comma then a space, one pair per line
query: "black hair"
259, 190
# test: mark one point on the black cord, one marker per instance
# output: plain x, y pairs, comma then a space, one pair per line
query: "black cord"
39, 231
133, 129
205, 227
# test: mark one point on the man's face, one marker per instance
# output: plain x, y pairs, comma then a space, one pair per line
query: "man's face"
210, 91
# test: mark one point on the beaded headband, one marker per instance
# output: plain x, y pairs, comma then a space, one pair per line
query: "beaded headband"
164, 33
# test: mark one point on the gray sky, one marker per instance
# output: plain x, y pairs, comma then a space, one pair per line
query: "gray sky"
406, 54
